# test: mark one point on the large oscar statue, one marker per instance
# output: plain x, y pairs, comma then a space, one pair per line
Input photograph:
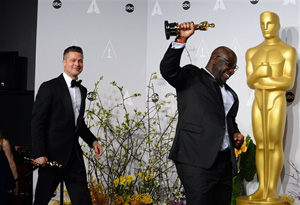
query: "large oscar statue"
271, 70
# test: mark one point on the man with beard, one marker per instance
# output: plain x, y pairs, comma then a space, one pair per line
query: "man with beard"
206, 134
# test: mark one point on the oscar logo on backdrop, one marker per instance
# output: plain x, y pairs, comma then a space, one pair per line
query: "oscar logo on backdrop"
93, 8
271, 70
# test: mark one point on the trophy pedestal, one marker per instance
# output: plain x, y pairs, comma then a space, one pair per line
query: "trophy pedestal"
244, 200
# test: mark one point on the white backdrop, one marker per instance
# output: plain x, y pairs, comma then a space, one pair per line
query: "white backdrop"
124, 41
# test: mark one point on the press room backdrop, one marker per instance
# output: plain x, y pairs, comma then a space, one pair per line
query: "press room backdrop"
124, 41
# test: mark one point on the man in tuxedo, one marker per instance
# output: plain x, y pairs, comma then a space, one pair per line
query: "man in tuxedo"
206, 134
57, 123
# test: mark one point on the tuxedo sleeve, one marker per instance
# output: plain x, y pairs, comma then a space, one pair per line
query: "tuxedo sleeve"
87, 135
171, 70
39, 121
235, 127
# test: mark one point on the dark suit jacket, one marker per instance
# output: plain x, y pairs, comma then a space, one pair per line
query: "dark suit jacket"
201, 120
53, 125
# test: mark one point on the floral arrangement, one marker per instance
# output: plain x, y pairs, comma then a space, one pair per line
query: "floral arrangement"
134, 168
125, 194
246, 167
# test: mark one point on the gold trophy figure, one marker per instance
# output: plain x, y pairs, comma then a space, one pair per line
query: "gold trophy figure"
271, 70
172, 29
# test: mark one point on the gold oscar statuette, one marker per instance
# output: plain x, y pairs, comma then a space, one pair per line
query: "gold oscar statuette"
172, 29
271, 68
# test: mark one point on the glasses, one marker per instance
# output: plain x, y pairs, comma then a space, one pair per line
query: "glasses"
231, 66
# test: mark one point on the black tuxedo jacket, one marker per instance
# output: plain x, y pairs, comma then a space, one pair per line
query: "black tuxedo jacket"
53, 130
201, 120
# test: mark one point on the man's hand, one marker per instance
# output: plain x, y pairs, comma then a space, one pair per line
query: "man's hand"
41, 161
98, 149
238, 139
186, 29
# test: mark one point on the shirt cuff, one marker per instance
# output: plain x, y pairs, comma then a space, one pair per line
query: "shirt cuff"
176, 45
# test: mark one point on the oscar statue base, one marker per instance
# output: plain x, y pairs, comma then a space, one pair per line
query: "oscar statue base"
244, 200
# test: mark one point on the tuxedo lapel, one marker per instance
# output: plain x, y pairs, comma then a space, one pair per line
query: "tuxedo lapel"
217, 89
82, 106
212, 87
66, 97
232, 92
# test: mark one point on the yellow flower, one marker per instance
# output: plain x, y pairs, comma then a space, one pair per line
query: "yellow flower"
147, 177
244, 147
116, 182
140, 174
134, 199
146, 199
122, 180
237, 152
129, 179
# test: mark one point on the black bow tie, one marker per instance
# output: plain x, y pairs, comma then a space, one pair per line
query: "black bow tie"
75, 83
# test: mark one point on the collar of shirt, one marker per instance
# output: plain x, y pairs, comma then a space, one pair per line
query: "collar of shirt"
209, 72
221, 86
68, 79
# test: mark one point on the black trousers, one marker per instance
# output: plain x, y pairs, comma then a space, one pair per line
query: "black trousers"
211, 186
74, 176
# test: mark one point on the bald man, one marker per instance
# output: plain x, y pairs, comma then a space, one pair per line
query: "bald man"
206, 134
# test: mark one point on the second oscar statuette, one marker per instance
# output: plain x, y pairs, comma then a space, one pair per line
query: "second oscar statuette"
172, 29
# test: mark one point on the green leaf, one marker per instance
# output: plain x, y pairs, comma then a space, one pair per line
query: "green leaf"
237, 183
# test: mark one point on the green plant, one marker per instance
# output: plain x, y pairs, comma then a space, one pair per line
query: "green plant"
246, 168
133, 142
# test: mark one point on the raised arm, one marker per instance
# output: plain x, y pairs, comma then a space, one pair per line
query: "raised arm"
170, 64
